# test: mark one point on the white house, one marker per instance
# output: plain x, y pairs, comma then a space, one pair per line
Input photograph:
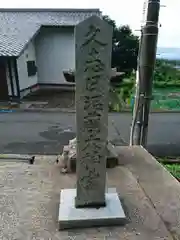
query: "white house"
36, 46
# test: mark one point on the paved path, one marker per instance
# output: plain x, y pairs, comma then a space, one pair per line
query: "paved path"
30, 201
48, 132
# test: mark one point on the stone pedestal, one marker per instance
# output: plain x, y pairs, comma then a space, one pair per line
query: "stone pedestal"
72, 217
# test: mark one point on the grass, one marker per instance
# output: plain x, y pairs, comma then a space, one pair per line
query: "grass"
172, 164
174, 169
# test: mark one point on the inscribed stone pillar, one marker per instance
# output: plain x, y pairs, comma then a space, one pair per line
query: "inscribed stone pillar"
93, 69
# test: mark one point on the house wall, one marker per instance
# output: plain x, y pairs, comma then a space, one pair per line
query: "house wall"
27, 55
55, 52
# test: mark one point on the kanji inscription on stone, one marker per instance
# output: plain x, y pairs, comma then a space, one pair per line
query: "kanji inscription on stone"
93, 69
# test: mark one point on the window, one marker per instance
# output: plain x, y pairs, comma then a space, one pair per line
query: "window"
31, 68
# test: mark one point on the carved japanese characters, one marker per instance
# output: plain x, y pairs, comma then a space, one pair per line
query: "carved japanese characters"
93, 69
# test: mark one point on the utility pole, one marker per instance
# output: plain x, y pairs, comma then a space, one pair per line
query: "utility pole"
146, 63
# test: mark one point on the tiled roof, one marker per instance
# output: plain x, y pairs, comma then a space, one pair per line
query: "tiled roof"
18, 26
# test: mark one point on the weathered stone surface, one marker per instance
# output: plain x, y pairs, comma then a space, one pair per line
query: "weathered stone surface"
93, 69
69, 163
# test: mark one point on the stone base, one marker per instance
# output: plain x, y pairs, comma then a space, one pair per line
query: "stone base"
71, 217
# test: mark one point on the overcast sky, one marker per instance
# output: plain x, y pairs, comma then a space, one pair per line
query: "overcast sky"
122, 11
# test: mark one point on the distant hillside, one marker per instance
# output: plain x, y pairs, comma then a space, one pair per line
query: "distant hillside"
168, 53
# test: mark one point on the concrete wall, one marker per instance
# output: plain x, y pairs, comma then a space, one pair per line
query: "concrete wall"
28, 55
55, 52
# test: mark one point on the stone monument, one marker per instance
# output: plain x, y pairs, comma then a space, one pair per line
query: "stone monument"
67, 160
90, 204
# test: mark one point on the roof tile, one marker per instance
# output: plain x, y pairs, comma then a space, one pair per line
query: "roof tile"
18, 27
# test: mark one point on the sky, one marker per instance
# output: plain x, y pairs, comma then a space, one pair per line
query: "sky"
122, 11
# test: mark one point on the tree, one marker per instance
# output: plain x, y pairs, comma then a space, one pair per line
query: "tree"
125, 47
